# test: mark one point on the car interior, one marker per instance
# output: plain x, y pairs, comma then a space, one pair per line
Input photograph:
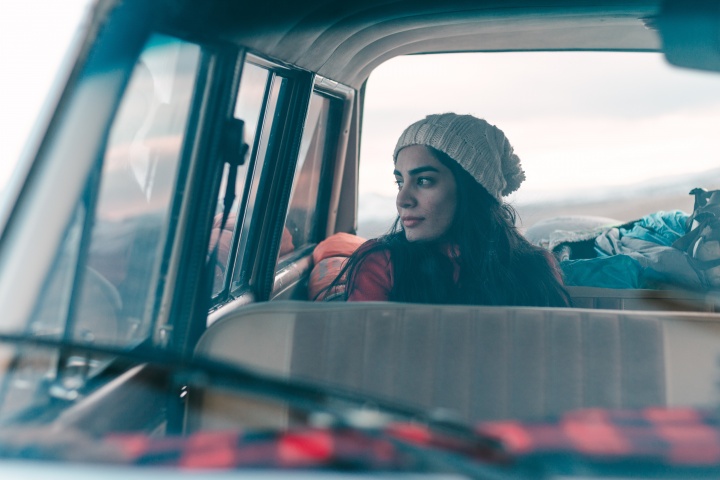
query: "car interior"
216, 143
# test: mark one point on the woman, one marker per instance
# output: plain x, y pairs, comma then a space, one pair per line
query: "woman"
454, 240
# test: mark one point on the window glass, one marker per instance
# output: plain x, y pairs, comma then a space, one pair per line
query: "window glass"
109, 299
300, 223
33, 368
270, 129
114, 300
137, 185
251, 95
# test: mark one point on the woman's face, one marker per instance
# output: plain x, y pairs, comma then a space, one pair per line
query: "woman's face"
427, 194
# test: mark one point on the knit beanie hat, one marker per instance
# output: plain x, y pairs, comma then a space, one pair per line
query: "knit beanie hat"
481, 149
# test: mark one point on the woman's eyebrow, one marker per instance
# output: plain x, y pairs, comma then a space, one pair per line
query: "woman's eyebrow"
417, 170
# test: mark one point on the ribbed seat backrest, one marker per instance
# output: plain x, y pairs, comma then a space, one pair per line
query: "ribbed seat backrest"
641, 299
481, 362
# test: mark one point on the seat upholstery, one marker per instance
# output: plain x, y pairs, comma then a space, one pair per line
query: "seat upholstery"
485, 363
480, 362
640, 299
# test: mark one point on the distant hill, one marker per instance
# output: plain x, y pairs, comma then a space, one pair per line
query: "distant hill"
623, 203
377, 212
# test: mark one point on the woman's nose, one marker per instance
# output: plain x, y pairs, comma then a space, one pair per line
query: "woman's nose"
405, 198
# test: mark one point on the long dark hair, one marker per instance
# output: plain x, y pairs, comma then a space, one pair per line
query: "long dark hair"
497, 265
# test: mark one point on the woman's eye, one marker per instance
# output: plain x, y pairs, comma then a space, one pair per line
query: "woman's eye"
424, 181
399, 183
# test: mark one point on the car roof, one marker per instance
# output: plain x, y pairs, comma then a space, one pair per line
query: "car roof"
345, 40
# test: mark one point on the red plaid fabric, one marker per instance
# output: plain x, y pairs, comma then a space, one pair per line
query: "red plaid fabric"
679, 436
671, 437
307, 448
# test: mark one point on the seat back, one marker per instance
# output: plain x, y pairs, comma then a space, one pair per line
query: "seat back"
640, 299
481, 362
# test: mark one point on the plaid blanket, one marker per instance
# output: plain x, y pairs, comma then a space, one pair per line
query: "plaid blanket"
397, 447
669, 438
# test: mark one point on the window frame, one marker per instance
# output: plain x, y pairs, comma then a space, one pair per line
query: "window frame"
252, 269
296, 265
252, 236
327, 167
272, 187
178, 321
249, 163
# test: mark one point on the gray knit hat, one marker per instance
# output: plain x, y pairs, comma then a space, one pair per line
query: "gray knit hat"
481, 149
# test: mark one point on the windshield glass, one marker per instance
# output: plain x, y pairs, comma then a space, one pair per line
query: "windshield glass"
103, 287
31, 70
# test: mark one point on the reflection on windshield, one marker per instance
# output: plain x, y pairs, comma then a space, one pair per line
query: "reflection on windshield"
108, 297
138, 179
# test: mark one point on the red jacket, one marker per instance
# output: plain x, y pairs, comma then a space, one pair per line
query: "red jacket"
373, 278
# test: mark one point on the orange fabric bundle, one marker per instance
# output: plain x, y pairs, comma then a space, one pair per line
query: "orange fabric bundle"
329, 258
337, 245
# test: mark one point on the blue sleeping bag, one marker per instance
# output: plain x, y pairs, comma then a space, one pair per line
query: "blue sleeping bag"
638, 254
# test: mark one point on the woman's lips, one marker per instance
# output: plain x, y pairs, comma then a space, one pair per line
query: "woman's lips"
410, 222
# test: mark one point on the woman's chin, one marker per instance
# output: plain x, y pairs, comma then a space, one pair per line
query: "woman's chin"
415, 236
411, 235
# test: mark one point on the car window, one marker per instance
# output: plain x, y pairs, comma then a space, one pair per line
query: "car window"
610, 134
262, 95
137, 183
304, 210
249, 107
103, 286
269, 134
